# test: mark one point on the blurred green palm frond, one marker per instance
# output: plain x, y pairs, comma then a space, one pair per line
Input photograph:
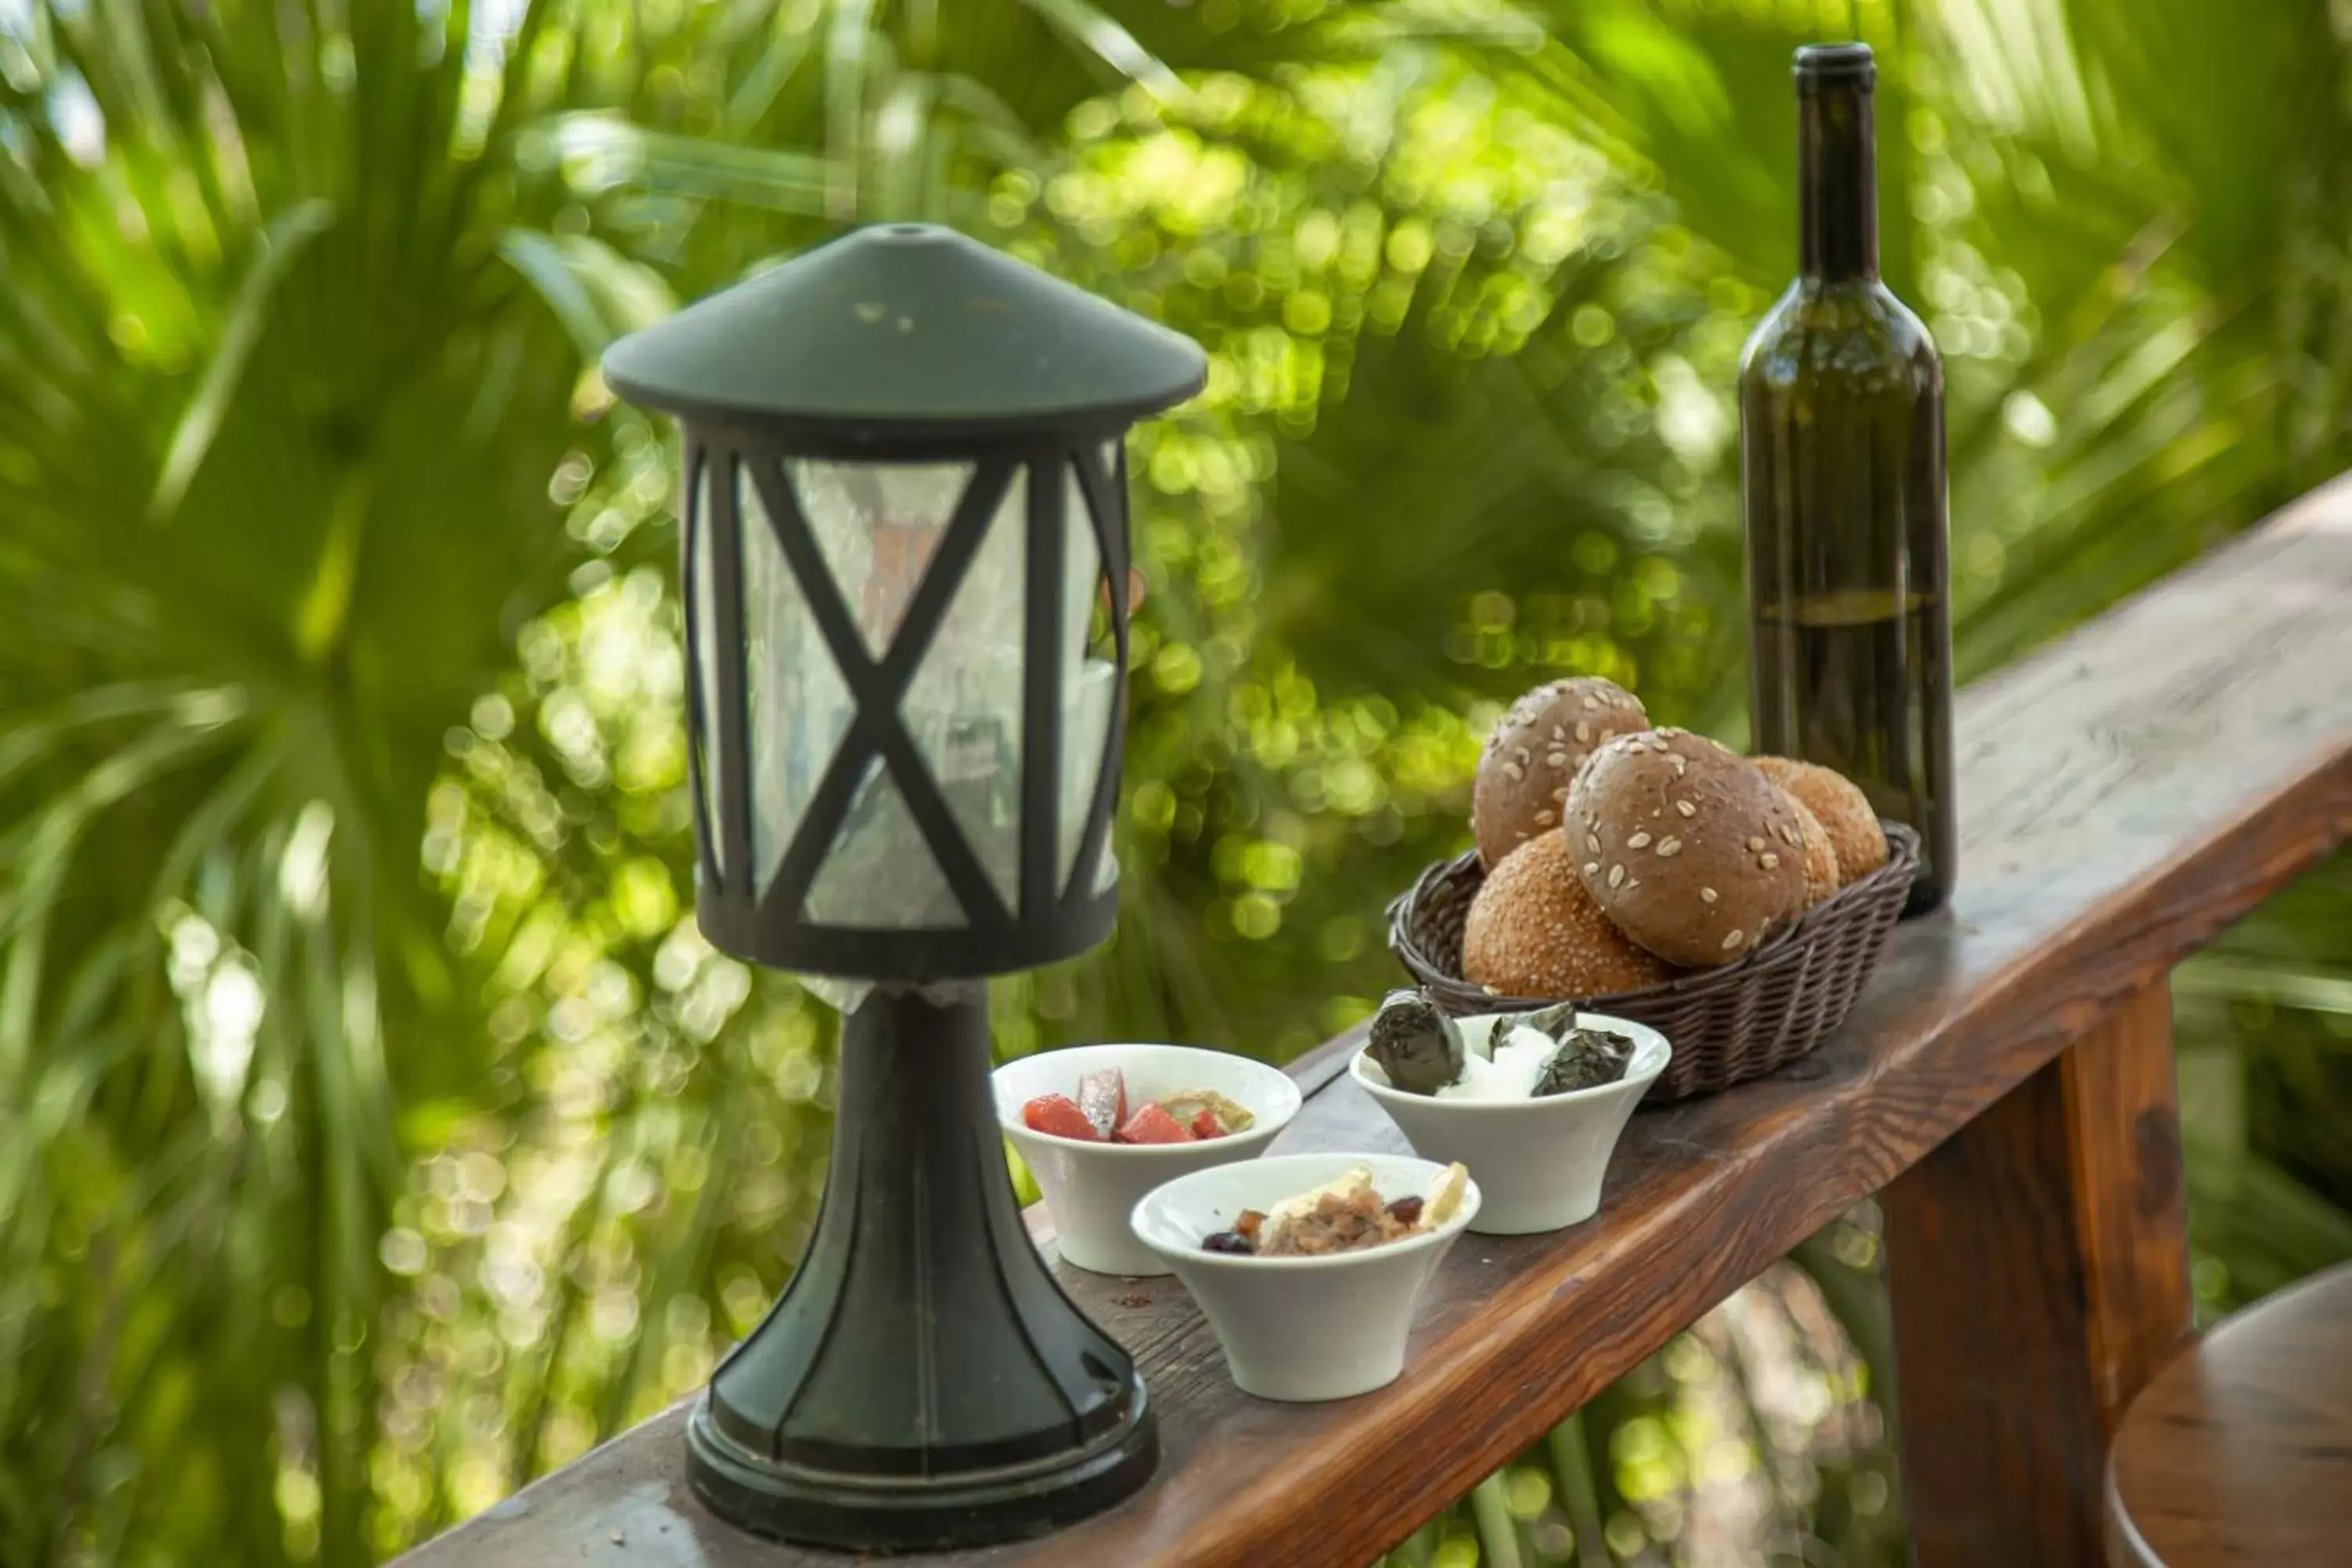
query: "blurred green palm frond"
377, 1131
274, 447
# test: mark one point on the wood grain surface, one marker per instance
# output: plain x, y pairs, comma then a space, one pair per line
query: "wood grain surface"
2239, 1451
2038, 1263
2123, 793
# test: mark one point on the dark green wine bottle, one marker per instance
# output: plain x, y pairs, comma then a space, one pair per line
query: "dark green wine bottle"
1842, 484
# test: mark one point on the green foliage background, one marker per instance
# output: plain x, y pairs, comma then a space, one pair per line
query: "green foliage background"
375, 1130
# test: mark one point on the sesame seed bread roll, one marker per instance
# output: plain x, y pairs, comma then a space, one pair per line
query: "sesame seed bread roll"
1687, 847
1535, 751
1821, 855
1533, 930
1841, 807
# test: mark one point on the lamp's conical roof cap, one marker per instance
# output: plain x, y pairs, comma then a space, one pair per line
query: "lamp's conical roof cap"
907, 329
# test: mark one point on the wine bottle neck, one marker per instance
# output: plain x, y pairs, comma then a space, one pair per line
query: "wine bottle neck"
1837, 182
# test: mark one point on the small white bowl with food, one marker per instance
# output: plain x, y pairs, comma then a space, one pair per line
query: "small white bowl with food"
1310, 1267
1533, 1103
1099, 1126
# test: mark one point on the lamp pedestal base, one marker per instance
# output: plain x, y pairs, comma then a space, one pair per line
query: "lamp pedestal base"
923, 1383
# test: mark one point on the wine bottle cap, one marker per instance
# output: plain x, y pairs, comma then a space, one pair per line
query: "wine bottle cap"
1819, 64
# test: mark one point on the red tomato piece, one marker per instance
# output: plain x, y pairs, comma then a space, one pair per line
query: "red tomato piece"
1059, 1115
1153, 1124
1103, 1097
1206, 1125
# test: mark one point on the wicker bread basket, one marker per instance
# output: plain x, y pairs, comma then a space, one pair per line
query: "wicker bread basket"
1727, 1025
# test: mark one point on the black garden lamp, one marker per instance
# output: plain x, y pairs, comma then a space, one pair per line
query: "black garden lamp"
905, 566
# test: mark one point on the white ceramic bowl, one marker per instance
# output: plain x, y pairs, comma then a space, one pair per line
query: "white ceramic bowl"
1301, 1328
1539, 1161
1091, 1188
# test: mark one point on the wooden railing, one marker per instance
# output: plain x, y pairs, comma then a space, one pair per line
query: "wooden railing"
2005, 1087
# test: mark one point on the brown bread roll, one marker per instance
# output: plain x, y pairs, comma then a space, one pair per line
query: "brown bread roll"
1535, 751
1533, 930
1821, 855
1841, 807
1687, 847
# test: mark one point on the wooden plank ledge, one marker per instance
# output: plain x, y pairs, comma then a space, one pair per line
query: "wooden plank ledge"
2123, 793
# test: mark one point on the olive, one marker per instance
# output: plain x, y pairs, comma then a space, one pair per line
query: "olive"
1228, 1241
1405, 1211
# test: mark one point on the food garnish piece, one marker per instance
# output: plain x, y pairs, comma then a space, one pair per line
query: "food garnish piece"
1586, 1059
1059, 1115
1153, 1124
1205, 1124
1241, 1240
1445, 1196
1189, 1105
1558, 1021
1406, 1210
1346, 1184
1103, 1097
1416, 1043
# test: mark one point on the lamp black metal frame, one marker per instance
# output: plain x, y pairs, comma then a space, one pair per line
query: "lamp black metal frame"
1055, 916
923, 1382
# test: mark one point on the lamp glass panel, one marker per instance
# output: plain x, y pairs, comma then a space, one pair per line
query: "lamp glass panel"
799, 705
704, 579
880, 873
963, 708
877, 525
1089, 671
